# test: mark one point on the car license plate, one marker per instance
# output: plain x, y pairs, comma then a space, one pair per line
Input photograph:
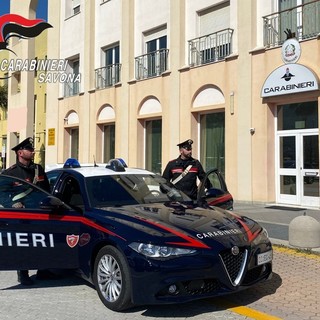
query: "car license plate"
264, 257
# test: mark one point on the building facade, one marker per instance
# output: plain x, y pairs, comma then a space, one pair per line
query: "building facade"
141, 76
25, 114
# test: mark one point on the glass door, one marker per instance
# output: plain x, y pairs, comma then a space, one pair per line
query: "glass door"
310, 170
298, 168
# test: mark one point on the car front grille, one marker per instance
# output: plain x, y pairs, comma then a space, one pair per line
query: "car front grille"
201, 286
234, 264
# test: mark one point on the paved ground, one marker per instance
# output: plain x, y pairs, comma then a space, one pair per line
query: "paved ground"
292, 294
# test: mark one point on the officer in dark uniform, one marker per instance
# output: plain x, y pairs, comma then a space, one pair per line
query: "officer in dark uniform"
184, 171
26, 169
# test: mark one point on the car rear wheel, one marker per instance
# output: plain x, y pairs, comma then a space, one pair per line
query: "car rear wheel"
112, 279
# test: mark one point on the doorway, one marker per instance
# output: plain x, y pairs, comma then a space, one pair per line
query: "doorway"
297, 154
298, 168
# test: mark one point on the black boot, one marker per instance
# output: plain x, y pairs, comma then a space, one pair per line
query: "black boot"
23, 278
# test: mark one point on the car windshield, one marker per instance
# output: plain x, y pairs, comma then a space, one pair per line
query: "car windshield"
119, 190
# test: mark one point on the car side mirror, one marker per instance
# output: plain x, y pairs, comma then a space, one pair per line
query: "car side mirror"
51, 203
213, 192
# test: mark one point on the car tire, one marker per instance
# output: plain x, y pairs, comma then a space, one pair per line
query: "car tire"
112, 280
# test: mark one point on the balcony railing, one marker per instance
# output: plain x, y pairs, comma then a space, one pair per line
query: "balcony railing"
108, 76
210, 48
152, 64
302, 20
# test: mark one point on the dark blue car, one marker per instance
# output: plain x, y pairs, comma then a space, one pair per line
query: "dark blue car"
133, 235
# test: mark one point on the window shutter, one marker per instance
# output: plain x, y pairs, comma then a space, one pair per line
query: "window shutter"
75, 3
214, 20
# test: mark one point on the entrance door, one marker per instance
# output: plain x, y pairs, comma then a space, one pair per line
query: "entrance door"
298, 168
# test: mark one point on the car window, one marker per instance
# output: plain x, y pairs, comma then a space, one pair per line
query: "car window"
16, 193
215, 181
71, 193
52, 177
119, 190
107, 191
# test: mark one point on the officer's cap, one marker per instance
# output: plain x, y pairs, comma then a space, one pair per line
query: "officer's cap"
185, 144
25, 144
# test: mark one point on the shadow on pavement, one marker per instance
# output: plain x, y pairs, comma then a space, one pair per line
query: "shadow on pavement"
62, 281
241, 298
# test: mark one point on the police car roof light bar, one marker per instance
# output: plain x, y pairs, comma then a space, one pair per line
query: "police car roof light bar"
122, 162
71, 163
116, 165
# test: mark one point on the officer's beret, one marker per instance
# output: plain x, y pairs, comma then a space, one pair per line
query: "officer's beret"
25, 144
185, 144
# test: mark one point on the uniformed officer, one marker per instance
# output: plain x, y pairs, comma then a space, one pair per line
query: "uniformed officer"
26, 169
184, 171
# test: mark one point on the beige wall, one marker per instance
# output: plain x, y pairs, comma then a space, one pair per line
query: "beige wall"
249, 158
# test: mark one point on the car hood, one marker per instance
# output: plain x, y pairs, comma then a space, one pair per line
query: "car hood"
194, 224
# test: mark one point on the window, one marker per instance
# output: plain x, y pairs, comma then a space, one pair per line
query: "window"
11, 190
72, 88
72, 7
153, 142
212, 141
74, 143
215, 37
75, 6
155, 60
298, 116
156, 56
301, 17
108, 142
109, 74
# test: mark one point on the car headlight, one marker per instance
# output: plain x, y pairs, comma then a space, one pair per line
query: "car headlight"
262, 237
154, 251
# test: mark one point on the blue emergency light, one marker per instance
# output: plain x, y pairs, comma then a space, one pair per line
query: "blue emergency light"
71, 163
116, 164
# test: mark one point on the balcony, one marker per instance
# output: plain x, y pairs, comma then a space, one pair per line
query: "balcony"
210, 48
107, 76
302, 20
152, 64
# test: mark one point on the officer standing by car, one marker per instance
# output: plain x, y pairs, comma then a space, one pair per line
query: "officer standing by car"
184, 171
26, 169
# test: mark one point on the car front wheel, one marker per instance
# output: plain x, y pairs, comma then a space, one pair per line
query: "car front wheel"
112, 279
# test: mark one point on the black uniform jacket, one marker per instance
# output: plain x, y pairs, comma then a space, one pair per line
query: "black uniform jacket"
27, 173
188, 184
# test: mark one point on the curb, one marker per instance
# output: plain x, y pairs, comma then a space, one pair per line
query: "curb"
285, 243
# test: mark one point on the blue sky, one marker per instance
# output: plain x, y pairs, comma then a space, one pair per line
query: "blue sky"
41, 9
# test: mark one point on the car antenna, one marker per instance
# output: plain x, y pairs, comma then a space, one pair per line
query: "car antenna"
94, 162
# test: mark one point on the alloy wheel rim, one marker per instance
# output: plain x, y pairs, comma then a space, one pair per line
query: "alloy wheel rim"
109, 278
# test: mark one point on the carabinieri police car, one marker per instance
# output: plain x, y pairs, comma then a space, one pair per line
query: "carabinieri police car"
133, 235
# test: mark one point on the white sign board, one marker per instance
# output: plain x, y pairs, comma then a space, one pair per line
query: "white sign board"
288, 79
